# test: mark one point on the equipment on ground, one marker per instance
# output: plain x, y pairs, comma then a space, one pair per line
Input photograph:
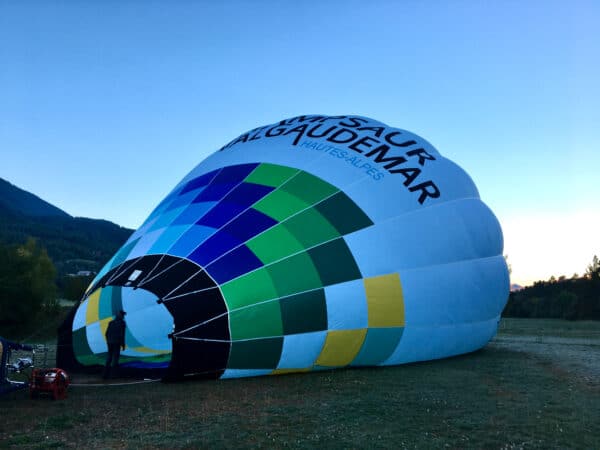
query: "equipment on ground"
49, 381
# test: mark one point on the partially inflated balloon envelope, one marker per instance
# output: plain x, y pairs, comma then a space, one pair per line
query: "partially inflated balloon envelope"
314, 243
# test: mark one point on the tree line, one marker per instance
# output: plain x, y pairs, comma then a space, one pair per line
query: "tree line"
576, 298
73, 243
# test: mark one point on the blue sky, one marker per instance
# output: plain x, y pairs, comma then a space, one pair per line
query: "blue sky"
105, 106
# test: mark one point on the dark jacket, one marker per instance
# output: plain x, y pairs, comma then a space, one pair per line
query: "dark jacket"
115, 333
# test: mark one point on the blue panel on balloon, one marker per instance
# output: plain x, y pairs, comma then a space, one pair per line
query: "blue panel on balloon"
162, 207
214, 192
198, 182
234, 174
221, 214
239, 199
249, 224
146, 364
233, 264
190, 240
193, 212
247, 194
183, 200
214, 247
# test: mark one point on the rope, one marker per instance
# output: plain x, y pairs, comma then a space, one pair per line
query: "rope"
145, 381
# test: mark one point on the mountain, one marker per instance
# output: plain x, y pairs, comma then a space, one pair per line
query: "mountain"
25, 203
73, 243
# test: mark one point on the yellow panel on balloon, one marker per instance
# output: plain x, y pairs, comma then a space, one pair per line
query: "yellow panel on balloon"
385, 301
104, 325
341, 347
93, 308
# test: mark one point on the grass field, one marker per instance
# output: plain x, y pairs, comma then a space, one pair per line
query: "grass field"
499, 397
585, 329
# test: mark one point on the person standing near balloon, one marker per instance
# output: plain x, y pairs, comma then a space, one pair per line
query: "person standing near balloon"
115, 338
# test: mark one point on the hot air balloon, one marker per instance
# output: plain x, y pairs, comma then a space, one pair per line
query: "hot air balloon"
314, 243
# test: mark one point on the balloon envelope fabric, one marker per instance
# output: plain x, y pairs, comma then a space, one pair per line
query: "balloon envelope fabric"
314, 243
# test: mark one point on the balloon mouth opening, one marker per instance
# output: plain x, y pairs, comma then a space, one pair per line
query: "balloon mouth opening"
177, 319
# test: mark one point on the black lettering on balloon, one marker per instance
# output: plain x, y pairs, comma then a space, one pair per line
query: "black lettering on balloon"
428, 189
355, 122
389, 140
377, 131
311, 132
363, 141
369, 146
275, 131
410, 174
300, 129
337, 138
242, 138
256, 134
380, 156
335, 117
422, 154
301, 119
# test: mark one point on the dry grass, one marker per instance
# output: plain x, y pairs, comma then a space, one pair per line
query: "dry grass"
494, 398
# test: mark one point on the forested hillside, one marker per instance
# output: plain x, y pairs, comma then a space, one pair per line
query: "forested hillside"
73, 243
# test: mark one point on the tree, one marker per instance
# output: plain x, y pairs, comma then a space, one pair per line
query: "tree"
26, 287
593, 269
569, 305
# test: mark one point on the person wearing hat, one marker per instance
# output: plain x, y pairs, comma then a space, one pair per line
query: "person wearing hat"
115, 338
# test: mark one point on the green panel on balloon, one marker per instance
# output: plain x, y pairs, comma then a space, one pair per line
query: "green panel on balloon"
82, 350
294, 274
273, 244
255, 354
248, 289
335, 262
261, 320
80, 343
305, 312
310, 228
93, 359
379, 344
280, 205
270, 175
343, 213
159, 358
309, 188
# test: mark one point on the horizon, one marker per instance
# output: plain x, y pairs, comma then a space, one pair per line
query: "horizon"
107, 102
